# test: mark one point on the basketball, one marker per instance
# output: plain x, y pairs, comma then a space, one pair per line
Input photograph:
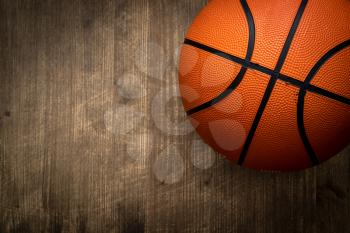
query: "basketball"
266, 83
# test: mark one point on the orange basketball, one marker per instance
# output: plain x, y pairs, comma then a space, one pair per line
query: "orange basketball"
266, 83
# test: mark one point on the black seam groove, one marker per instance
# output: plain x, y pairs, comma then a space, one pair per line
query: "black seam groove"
244, 63
243, 70
302, 94
300, 121
302, 85
272, 81
324, 59
328, 94
265, 70
275, 75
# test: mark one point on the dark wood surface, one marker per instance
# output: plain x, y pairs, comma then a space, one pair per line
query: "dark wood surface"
89, 143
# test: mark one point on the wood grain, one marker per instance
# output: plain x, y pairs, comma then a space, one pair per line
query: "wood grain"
83, 132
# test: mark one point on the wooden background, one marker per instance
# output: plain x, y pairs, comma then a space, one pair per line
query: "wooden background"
90, 143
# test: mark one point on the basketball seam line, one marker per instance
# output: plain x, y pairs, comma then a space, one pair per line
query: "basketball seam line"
243, 69
275, 75
303, 88
265, 70
302, 94
272, 82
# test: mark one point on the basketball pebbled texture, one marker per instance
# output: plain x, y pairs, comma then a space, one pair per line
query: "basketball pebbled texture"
266, 83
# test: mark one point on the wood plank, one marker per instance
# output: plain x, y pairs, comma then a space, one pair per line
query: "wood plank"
88, 141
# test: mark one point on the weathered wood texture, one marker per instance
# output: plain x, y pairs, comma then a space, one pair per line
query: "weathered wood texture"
89, 142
